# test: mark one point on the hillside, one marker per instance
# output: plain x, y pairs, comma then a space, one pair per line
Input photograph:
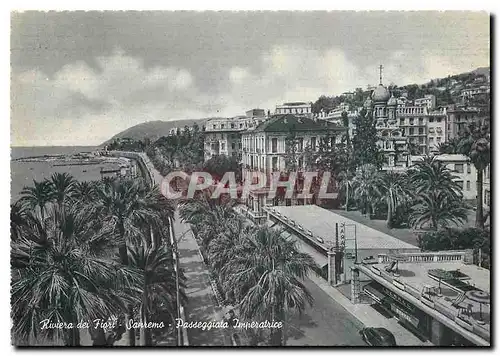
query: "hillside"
152, 129
446, 90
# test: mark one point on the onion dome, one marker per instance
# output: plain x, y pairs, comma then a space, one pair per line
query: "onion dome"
380, 94
392, 101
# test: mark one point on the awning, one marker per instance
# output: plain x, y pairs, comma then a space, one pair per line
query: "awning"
373, 293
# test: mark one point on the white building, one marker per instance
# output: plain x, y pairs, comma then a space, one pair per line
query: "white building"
297, 108
428, 101
223, 135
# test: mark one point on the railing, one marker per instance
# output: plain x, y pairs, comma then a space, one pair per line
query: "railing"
441, 256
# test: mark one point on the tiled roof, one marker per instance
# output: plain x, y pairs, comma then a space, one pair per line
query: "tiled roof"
289, 122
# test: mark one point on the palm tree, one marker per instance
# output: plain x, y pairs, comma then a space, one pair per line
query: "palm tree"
68, 279
210, 214
85, 192
367, 186
475, 144
435, 210
62, 187
159, 284
431, 175
265, 274
395, 192
128, 207
18, 220
36, 197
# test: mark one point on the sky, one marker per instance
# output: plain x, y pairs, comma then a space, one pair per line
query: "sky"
78, 78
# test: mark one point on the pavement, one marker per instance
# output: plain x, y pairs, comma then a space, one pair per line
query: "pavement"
325, 323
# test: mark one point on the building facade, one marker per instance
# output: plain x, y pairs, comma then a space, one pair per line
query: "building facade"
223, 135
297, 108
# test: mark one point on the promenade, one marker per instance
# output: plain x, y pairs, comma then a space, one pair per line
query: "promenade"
201, 305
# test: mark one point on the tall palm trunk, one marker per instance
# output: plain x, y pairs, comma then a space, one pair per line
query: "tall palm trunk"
389, 216
124, 259
146, 333
479, 199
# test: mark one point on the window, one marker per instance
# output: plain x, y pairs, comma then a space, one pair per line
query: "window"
214, 126
232, 125
274, 145
438, 119
301, 162
233, 145
420, 140
301, 144
431, 139
420, 121
412, 131
222, 126
468, 168
420, 131
275, 163
431, 119
411, 121
468, 185
313, 143
459, 168
460, 184
401, 121
438, 139
222, 146
241, 125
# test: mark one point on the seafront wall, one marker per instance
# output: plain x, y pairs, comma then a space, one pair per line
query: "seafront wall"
142, 161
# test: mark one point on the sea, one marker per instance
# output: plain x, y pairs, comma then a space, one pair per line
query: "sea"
24, 173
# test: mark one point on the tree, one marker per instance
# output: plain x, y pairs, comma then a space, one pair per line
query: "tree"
364, 141
435, 210
128, 207
431, 175
68, 279
158, 285
266, 273
367, 187
62, 186
395, 192
475, 144
37, 196
219, 165
438, 196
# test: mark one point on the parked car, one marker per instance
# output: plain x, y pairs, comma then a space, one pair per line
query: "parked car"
378, 337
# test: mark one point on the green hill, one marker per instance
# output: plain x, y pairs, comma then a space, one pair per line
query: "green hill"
152, 129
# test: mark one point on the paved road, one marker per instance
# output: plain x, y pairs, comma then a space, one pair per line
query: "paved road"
326, 323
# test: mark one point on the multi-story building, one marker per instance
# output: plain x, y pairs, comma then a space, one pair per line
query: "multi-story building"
475, 91
223, 135
436, 129
297, 108
428, 101
458, 118
266, 148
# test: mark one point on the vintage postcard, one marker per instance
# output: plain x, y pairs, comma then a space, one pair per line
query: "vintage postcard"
254, 178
